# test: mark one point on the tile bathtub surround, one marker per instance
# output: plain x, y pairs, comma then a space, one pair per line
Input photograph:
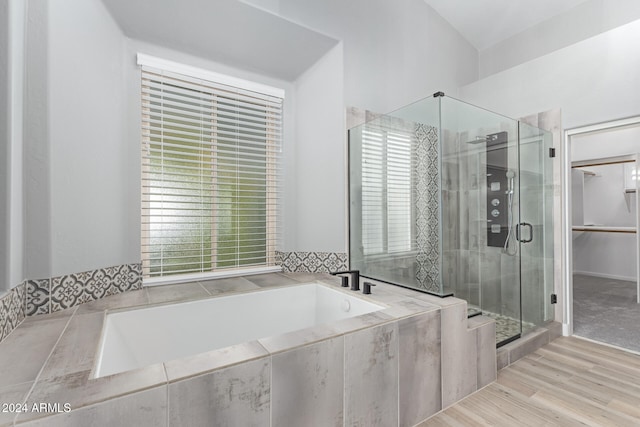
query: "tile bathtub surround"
383, 368
12, 310
311, 262
59, 293
420, 367
371, 376
308, 384
238, 395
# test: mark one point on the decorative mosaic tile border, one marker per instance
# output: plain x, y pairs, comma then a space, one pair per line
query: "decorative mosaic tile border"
45, 296
12, 310
311, 262
427, 192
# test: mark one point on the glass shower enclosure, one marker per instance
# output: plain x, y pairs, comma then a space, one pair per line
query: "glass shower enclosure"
451, 199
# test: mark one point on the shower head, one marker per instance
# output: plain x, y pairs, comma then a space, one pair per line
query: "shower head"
511, 174
478, 140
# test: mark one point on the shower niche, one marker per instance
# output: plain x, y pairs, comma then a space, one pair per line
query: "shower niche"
451, 199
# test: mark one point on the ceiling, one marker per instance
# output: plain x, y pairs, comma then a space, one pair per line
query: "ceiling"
227, 30
486, 22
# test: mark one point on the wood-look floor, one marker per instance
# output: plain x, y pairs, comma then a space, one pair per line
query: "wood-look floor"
568, 382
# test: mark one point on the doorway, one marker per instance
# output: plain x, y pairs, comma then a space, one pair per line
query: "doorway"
602, 275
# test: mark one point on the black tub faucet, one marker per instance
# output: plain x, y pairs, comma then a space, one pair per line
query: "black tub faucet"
355, 278
366, 288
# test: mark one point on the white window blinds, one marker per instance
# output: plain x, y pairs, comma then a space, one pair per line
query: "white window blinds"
209, 175
386, 191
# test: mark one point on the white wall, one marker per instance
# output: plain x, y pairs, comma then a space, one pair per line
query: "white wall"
394, 52
317, 209
37, 190
90, 181
12, 18
16, 137
4, 146
605, 255
604, 199
609, 143
592, 81
605, 203
579, 23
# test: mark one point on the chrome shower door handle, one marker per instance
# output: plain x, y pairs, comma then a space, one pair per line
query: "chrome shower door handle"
518, 236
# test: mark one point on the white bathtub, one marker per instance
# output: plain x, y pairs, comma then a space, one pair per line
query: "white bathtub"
136, 338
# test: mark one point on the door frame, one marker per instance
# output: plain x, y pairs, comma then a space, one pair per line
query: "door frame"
567, 242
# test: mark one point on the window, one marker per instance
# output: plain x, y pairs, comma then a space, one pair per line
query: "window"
386, 191
209, 175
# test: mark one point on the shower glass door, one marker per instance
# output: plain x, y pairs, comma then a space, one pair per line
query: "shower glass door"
535, 227
480, 203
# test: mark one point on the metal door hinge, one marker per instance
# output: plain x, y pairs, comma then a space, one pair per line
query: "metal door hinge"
552, 152
554, 299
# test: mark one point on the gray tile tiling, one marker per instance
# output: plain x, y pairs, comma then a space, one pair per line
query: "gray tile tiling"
307, 385
147, 408
129, 299
77, 347
12, 394
232, 284
459, 360
502, 358
78, 390
33, 338
486, 353
420, 373
205, 362
304, 277
271, 279
408, 307
529, 343
175, 293
234, 396
297, 338
353, 324
371, 376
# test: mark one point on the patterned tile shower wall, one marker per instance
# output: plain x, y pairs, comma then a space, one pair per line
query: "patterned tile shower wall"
50, 295
311, 262
427, 193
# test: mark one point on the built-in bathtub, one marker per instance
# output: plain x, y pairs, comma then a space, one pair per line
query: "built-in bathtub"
136, 338
392, 367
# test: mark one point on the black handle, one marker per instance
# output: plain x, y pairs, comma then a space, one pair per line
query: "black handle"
366, 288
344, 281
524, 224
